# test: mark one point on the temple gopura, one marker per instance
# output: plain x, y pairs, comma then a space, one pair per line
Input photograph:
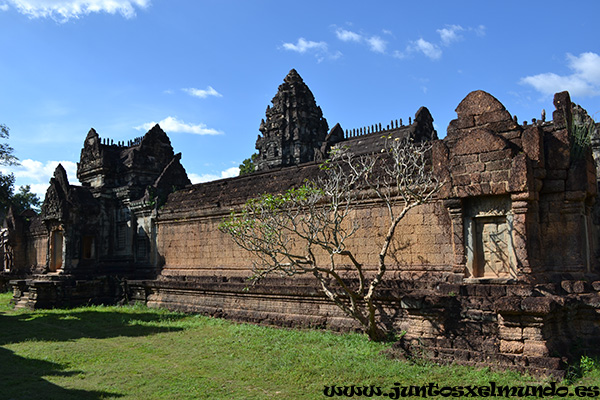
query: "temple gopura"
501, 269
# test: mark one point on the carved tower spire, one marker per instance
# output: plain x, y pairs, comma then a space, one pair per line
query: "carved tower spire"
294, 128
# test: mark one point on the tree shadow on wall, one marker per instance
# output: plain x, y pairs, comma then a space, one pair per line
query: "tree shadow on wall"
22, 377
391, 289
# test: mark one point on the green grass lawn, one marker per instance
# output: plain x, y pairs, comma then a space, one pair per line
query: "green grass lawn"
138, 353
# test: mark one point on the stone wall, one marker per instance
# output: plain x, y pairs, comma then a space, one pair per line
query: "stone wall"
194, 246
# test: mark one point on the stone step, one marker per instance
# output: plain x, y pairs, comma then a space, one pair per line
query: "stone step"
23, 301
22, 305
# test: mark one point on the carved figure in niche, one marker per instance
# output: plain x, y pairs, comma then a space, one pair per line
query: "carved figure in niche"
6, 250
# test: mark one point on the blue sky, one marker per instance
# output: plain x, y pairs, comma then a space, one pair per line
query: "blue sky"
206, 70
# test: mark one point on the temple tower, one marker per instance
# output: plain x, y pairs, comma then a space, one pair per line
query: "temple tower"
294, 129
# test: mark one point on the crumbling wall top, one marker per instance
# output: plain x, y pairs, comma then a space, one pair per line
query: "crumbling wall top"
478, 110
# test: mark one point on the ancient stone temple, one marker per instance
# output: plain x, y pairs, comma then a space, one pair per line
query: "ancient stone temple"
501, 268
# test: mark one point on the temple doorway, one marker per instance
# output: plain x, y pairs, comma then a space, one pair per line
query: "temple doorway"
56, 250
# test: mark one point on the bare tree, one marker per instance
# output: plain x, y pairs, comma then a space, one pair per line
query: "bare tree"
306, 230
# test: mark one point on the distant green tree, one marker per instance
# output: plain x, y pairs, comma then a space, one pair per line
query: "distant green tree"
6, 152
248, 165
6, 181
24, 199
6, 191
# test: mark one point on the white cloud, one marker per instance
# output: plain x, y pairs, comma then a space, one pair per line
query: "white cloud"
38, 174
319, 49
228, 173
3, 7
172, 124
39, 189
63, 10
587, 66
429, 49
583, 81
450, 34
303, 45
433, 50
348, 36
377, 44
209, 91
39, 171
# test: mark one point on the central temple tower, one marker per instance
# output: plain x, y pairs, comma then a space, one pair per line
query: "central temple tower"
295, 128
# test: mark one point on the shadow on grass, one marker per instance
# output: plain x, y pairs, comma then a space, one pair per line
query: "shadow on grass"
23, 378
70, 325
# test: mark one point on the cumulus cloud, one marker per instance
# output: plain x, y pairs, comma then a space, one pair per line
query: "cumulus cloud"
209, 91
37, 174
172, 124
583, 81
433, 49
450, 34
429, 49
348, 36
303, 45
228, 173
375, 43
319, 49
64, 10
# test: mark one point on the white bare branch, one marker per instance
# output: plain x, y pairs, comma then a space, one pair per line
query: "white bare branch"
286, 231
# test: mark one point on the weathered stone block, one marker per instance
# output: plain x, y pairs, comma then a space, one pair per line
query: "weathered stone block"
505, 154
535, 348
492, 116
475, 167
557, 147
533, 333
574, 286
511, 347
520, 174
499, 176
499, 187
462, 180
464, 159
508, 305
479, 141
498, 165
538, 305
511, 333
546, 363
467, 121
